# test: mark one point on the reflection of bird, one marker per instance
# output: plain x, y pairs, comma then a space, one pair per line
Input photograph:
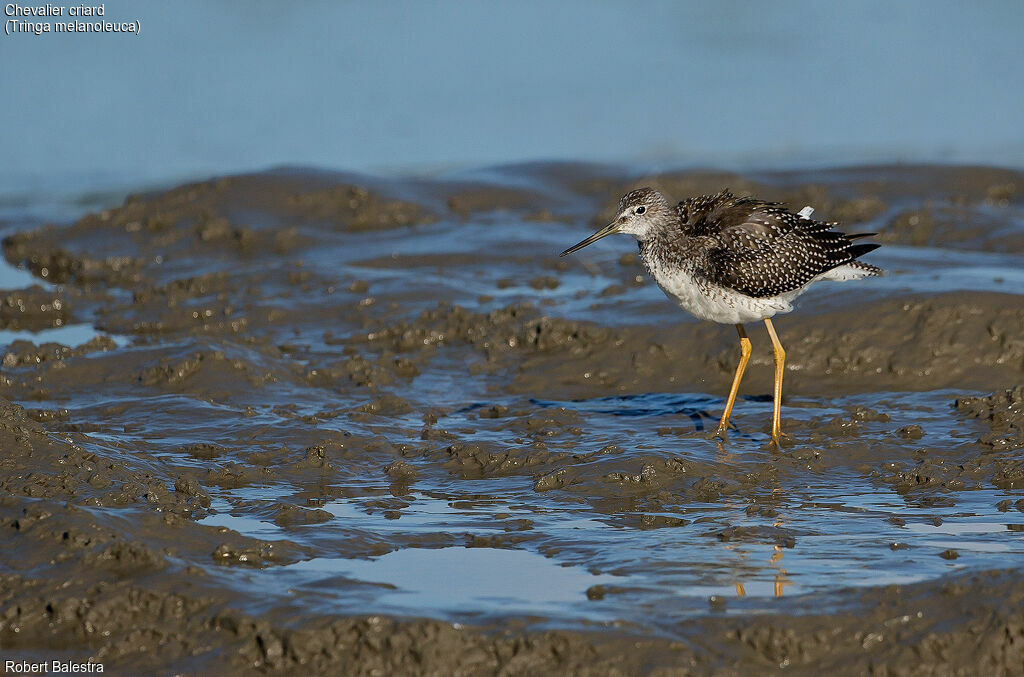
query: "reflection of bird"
735, 259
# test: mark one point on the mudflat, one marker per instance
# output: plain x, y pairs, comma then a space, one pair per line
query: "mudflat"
313, 421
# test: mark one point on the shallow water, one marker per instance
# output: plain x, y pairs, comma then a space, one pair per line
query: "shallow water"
72, 335
821, 532
375, 405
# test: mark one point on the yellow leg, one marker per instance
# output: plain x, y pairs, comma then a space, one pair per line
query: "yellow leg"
723, 425
780, 364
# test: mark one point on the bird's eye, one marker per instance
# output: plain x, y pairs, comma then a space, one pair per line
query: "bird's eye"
640, 210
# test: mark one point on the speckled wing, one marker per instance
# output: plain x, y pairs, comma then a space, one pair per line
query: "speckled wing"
760, 248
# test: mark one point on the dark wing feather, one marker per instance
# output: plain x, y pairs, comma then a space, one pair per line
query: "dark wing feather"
761, 249
710, 214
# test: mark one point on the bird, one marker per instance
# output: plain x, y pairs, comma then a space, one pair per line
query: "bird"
736, 260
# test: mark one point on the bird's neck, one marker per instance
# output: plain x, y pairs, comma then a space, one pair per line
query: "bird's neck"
666, 246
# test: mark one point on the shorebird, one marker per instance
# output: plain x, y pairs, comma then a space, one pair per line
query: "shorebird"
735, 260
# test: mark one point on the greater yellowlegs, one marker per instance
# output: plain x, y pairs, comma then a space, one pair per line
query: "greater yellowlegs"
735, 259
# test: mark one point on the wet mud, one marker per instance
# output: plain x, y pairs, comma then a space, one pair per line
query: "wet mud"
312, 421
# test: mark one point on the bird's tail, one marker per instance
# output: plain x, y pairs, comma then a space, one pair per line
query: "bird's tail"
866, 269
859, 250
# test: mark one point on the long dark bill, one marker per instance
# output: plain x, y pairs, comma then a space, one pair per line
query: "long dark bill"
610, 229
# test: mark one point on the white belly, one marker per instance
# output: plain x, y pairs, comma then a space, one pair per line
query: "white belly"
718, 304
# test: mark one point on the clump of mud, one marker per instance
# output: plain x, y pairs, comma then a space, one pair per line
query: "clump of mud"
1004, 411
34, 309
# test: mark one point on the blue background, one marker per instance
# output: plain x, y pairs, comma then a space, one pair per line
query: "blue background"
213, 87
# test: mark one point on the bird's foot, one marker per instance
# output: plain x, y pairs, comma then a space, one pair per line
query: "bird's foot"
777, 437
721, 433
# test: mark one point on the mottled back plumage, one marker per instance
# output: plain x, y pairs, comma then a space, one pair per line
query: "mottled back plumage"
753, 247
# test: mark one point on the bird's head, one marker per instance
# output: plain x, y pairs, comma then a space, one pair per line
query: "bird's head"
640, 212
